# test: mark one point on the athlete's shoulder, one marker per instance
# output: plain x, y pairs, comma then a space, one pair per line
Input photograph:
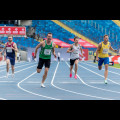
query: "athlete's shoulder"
109, 44
53, 44
100, 43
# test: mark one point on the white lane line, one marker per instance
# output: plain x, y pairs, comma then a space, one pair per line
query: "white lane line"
108, 78
109, 66
3, 99
32, 92
72, 91
100, 76
86, 83
6, 81
102, 69
19, 71
96, 82
57, 82
2, 66
18, 66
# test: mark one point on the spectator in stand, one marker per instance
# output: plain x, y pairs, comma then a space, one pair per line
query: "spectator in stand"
18, 56
94, 57
59, 56
16, 23
33, 54
9, 22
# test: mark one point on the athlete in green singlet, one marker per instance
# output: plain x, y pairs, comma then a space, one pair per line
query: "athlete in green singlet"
47, 47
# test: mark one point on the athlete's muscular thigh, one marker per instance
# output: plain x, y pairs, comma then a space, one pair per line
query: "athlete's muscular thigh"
8, 61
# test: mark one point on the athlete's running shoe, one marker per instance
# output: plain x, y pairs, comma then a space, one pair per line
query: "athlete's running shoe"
42, 85
13, 75
105, 82
70, 75
75, 76
7, 75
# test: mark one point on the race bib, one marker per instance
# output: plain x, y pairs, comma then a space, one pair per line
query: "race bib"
9, 50
47, 52
76, 51
105, 51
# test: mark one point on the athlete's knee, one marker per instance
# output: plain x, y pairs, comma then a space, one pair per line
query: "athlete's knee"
100, 68
13, 68
46, 71
76, 64
38, 70
106, 68
71, 67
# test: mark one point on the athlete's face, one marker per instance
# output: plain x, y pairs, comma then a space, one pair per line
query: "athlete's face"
49, 37
76, 41
106, 39
10, 39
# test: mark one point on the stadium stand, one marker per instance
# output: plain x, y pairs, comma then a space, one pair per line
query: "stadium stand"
96, 29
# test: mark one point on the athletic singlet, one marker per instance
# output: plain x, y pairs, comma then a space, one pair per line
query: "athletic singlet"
76, 53
45, 52
103, 53
9, 51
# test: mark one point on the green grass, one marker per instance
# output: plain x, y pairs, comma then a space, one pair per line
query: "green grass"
115, 65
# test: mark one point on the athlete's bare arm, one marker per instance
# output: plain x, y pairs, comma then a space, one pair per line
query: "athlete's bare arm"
97, 51
53, 50
3, 49
15, 47
112, 48
70, 49
38, 46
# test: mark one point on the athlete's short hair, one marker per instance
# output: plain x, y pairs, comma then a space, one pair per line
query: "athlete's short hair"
76, 38
105, 36
10, 36
49, 33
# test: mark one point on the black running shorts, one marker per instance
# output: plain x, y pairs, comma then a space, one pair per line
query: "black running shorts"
45, 62
73, 61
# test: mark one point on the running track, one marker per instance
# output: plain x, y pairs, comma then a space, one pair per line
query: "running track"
89, 85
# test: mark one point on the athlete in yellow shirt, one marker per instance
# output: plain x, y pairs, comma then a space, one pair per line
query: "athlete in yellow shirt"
102, 55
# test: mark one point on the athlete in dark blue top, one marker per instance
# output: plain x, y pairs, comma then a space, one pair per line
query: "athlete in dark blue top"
10, 48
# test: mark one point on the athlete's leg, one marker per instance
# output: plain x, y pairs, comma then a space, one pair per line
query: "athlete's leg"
106, 62
12, 61
100, 63
45, 75
100, 67
7, 65
76, 66
13, 69
71, 68
47, 66
39, 70
106, 71
40, 65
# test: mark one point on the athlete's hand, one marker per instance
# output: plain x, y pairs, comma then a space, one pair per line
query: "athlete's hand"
13, 48
0, 53
97, 59
72, 50
82, 56
55, 56
115, 50
34, 56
